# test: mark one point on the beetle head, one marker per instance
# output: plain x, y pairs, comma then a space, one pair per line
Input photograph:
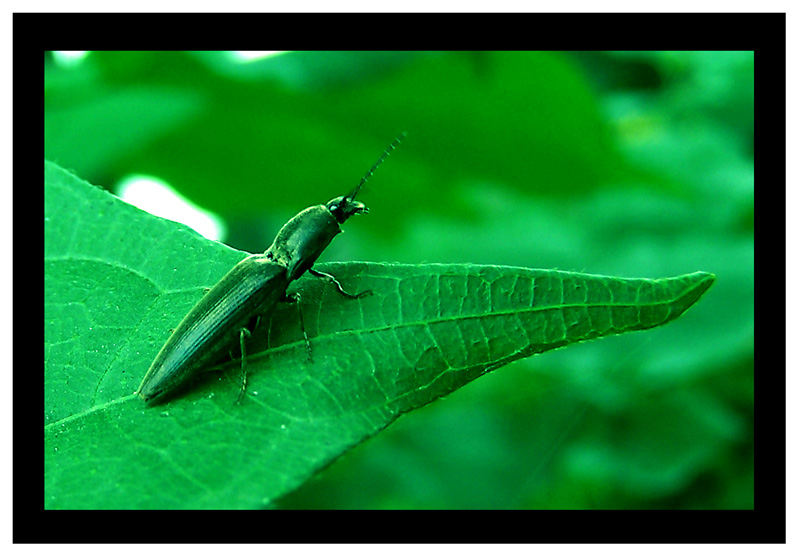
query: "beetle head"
345, 207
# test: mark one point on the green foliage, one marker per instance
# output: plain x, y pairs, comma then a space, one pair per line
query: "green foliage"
513, 159
425, 331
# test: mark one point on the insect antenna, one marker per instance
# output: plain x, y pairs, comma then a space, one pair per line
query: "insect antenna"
386, 152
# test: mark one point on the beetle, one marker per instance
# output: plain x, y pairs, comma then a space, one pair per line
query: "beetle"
252, 288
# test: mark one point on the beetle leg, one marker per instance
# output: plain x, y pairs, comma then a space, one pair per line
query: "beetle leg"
253, 323
243, 334
295, 297
330, 277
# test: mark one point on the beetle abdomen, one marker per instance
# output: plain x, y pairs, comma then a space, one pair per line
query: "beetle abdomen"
252, 287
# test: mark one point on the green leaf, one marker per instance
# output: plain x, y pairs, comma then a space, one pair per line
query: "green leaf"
117, 279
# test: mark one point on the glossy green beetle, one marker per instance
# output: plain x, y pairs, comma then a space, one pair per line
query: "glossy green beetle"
252, 288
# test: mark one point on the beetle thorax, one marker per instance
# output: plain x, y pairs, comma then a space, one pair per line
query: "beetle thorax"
300, 241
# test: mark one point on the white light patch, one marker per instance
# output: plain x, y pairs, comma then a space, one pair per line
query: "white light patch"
157, 197
69, 58
243, 56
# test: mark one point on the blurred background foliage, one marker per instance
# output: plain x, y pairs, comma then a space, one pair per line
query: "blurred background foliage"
634, 164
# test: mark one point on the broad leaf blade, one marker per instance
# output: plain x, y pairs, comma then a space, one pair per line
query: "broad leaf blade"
116, 280
429, 329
